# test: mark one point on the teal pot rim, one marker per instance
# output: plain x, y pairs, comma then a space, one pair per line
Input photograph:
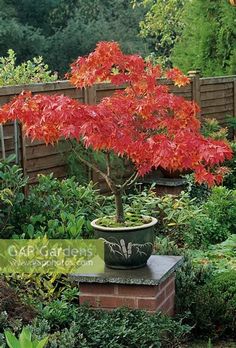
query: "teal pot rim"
127, 229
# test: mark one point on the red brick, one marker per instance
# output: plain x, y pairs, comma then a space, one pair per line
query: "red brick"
108, 301
149, 304
170, 287
109, 296
138, 290
93, 301
161, 297
164, 284
97, 289
168, 303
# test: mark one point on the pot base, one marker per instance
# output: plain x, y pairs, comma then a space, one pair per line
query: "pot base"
126, 267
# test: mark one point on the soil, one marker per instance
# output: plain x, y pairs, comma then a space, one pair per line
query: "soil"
11, 303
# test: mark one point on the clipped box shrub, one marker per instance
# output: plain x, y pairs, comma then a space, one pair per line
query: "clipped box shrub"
214, 308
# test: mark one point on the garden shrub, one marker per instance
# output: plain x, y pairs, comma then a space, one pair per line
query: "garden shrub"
221, 207
221, 257
35, 287
31, 71
68, 325
214, 307
187, 221
12, 183
230, 179
59, 209
199, 192
116, 329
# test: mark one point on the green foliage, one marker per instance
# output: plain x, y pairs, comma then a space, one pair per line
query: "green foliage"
11, 184
214, 307
230, 179
189, 276
162, 26
24, 340
199, 192
208, 39
28, 72
93, 21
221, 207
26, 41
62, 30
188, 280
59, 313
68, 325
191, 222
58, 209
36, 287
211, 128
120, 328
221, 257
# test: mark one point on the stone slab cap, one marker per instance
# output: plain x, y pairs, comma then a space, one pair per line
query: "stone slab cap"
158, 269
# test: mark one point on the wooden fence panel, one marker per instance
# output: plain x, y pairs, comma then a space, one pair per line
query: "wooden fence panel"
37, 157
217, 98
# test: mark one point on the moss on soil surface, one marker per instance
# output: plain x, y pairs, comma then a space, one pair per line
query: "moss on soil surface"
130, 221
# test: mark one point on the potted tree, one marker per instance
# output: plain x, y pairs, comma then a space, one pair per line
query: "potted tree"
142, 121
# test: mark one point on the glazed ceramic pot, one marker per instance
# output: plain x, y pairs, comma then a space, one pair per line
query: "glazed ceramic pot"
126, 247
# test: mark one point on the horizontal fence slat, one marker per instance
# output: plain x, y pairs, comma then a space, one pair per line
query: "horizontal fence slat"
216, 80
58, 172
213, 95
216, 87
45, 162
218, 102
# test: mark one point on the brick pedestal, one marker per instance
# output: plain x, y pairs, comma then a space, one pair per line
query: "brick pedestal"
151, 288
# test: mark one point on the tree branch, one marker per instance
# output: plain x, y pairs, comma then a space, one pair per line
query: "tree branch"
108, 180
131, 180
108, 162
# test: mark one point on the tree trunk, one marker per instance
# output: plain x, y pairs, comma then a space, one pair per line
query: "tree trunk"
119, 206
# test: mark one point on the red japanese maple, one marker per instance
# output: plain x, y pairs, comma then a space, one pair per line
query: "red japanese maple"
143, 122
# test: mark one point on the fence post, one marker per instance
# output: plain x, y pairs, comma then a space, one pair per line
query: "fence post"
23, 158
196, 83
90, 95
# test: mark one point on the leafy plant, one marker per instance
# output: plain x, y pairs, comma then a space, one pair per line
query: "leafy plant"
59, 313
208, 38
162, 26
24, 340
221, 206
12, 183
58, 209
214, 307
230, 178
143, 122
32, 71
221, 257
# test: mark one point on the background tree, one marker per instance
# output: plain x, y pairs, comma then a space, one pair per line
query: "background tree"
94, 21
208, 40
162, 25
61, 30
